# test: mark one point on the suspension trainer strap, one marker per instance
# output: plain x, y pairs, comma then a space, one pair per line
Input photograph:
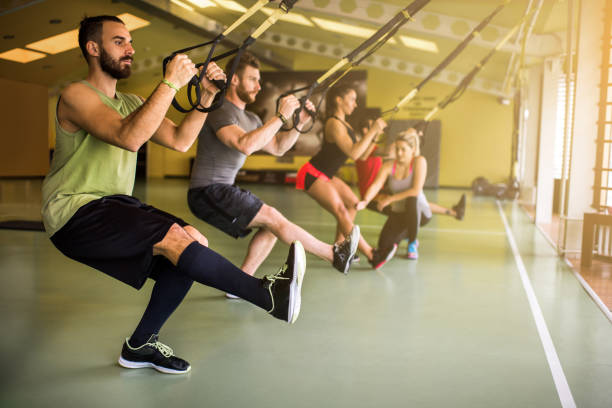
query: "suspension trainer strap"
449, 58
469, 78
369, 46
194, 84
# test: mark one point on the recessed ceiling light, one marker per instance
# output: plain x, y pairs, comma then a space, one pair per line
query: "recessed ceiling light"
21, 55
70, 39
183, 5
57, 43
132, 22
417, 43
202, 3
344, 28
231, 5
294, 18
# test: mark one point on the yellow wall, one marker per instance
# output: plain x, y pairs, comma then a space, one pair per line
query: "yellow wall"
25, 140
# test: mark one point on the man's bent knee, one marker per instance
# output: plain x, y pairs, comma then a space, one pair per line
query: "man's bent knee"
197, 235
173, 243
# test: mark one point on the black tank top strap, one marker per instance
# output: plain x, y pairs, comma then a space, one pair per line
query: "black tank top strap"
350, 131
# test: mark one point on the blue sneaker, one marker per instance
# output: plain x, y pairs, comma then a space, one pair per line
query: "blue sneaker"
413, 252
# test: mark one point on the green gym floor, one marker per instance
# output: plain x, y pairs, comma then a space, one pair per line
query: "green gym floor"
488, 316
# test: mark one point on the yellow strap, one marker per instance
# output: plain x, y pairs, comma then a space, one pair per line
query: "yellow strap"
431, 114
245, 16
407, 98
269, 22
333, 69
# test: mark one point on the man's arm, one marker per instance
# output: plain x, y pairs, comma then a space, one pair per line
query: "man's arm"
81, 108
181, 137
250, 142
284, 140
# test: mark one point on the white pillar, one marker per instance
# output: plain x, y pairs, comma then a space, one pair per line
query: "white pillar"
548, 129
532, 90
583, 149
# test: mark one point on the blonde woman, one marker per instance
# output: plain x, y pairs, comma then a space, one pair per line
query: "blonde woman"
406, 205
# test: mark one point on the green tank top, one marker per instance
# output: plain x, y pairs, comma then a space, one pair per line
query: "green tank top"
84, 168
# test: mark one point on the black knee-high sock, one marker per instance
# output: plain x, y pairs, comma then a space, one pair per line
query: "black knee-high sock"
169, 291
205, 266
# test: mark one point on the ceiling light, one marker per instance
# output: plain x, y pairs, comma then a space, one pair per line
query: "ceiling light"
57, 43
231, 5
70, 39
202, 3
21, 55
343, 28
423, 45
132, 22
183, 5
294, 18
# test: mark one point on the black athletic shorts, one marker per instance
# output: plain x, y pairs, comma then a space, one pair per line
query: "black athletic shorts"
226, 207
115, 234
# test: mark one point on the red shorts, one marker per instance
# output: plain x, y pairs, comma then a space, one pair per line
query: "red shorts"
366, 172
308, 169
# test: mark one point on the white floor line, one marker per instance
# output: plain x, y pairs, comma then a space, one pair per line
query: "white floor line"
563, 390
591, 292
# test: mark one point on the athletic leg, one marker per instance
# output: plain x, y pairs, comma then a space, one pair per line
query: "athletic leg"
438, 209
270, 219
259, 248
325, 193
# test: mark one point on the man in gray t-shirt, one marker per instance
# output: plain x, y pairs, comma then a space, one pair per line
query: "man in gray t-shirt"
229, 135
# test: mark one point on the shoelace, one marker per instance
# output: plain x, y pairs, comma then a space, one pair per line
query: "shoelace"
165, 350
272, 279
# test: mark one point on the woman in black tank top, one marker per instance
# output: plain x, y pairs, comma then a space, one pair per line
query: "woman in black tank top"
318, 176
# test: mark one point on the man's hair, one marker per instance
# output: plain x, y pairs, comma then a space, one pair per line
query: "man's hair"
247, 59
91, 30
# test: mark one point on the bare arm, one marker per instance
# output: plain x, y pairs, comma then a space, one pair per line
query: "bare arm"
249, 142
81, 108
284, 140
340, 135
181, 137
266, 137
376, 185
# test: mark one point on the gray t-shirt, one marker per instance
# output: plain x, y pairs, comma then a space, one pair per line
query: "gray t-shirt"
216, 162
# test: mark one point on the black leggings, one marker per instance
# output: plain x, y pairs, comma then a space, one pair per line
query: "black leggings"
201, 264
401, 225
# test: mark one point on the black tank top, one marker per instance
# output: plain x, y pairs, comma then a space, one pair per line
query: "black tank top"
330, 158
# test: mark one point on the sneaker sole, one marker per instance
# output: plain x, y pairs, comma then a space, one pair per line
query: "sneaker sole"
390, 255
141, 364
355, 235
295, 288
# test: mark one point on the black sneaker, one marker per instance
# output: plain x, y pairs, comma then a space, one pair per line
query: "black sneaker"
153, 354
285, 286
345, 251
379, 259
459, 208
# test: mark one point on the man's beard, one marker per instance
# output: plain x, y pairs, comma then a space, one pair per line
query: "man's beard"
113, 67
245, 96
